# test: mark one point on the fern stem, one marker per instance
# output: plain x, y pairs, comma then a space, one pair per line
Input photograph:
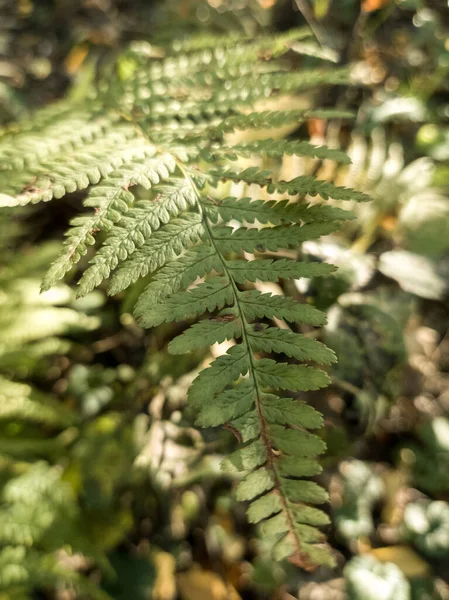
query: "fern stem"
252, 373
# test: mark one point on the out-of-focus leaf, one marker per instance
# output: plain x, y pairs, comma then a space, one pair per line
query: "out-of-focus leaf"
431, 456
371, 5
415, 274
427, 524
405, 558
197, 584
368, 341
321, 8
400, 108
361, 489
165, 584
424, 223
354, 271
370, 579
134, 579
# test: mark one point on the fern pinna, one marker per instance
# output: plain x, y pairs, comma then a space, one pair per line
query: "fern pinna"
153, 148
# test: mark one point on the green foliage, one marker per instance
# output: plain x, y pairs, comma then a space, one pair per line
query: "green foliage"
427, 524
431, 456
361, 489
103, 402
151, 154
39, 516
34, 325
367, 578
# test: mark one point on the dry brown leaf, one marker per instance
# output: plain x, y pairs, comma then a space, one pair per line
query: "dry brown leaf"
75, 58
395, 481
165, 584
285, 102
317, 127
267, 3
410, 563
372, 5
197, 584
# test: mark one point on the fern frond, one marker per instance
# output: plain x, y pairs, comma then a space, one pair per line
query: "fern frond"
277, 149
78, 169
202, 55
303, 185
233, 93
39, 516
276, 213
206, 297
283, 341
110, 200
269, 238
271, 119
274, 44
257, 305
18, 400
274, 270
144, 153
206, 333
28, 150
165, 245
194, 263
137, 225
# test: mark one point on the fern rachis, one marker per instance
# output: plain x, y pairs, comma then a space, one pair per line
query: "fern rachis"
155, 168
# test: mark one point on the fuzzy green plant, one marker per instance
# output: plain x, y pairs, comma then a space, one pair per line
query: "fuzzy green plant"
153, 150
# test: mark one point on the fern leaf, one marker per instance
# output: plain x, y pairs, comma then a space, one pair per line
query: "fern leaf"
285, 411
296, 443
294, 345
227, 406
208, 296
302, 185
258, 305
276, 213
165, 245
277, 149
158, 125
254, 484
194, 263
78, 169
270, 238
289, 377
137, 225
273, 44
292, 466
224, 371
274, 270
247, 458
110, 199
27, 150
206, 333
271, 119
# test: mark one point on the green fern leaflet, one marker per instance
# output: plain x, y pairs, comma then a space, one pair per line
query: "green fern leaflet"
153, 151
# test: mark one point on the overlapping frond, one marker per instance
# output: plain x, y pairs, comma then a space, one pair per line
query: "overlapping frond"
18, 400
38, 517
157, 211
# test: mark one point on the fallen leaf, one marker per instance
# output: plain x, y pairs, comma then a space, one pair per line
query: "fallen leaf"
164, 585
197, 584
372, 5
316, 127
75, 58
267, 3
410, 563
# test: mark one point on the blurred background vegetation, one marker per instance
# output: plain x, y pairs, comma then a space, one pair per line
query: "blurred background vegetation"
107, 490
